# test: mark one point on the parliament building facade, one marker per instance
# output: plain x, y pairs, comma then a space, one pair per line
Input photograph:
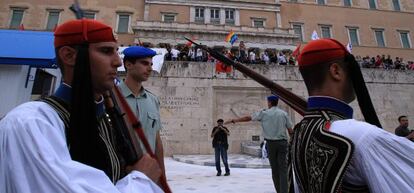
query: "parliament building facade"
373, 27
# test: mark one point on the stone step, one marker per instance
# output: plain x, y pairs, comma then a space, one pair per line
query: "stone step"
251, 148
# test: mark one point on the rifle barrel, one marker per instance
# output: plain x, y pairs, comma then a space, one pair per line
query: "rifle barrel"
294, 101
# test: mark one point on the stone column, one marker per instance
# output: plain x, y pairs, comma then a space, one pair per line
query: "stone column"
278, 20
222, 16
146, 12
237, 17
192, 14
207, 15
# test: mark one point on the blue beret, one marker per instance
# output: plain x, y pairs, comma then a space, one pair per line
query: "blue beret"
138, 52
272, 98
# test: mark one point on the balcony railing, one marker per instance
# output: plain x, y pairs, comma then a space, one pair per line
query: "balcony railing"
211, 28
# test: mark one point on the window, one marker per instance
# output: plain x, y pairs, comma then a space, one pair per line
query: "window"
229, 16
326, 31
16, 19
123, 23
372, 4
379, 36
347, 3
295, 1
89, 15
405, 39
353, 36
258, 22
396, 4
215, 16
168, 18
320, 2
52, 20
199, 14
297, 28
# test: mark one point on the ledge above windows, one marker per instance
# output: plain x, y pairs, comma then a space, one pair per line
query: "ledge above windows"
258, 22
169, 17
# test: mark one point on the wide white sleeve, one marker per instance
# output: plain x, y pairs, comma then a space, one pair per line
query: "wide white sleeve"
295, 183
137, 182
384, 161
34, 158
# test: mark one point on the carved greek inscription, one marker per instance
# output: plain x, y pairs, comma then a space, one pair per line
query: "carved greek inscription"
179, 102
165, 133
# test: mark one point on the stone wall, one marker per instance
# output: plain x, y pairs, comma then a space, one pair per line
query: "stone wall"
192, 99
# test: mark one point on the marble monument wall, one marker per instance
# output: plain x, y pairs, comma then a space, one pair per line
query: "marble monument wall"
192, 98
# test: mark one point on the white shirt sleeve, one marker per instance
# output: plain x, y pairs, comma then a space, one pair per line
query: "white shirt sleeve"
288, 121
35, 158
257, 116
382, 160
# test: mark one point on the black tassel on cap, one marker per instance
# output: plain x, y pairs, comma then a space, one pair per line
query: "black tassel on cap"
83, 138
361, 91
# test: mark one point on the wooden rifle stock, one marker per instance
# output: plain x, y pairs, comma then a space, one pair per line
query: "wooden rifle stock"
294, 101
126, 137
136, 128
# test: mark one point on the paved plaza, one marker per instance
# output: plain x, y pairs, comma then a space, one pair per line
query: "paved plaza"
186, 178
234, 160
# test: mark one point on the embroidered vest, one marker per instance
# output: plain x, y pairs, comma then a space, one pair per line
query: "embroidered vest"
320, 157
106, 134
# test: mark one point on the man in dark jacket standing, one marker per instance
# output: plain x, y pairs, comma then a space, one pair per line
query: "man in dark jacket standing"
220, 145
402, 130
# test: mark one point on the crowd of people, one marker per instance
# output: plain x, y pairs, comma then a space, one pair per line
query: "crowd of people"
271, 56
383, 62
275, 57
241, 54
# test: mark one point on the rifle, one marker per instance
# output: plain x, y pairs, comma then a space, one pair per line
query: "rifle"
130, 148
294, 101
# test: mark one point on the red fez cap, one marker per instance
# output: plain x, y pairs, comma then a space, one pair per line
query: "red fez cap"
83, 31
321, 51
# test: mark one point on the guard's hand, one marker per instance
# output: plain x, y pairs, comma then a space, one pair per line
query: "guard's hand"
227, 122
411, 135
147, 165
291, 132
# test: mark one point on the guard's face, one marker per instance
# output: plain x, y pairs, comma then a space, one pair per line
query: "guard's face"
140, 70
104, 61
